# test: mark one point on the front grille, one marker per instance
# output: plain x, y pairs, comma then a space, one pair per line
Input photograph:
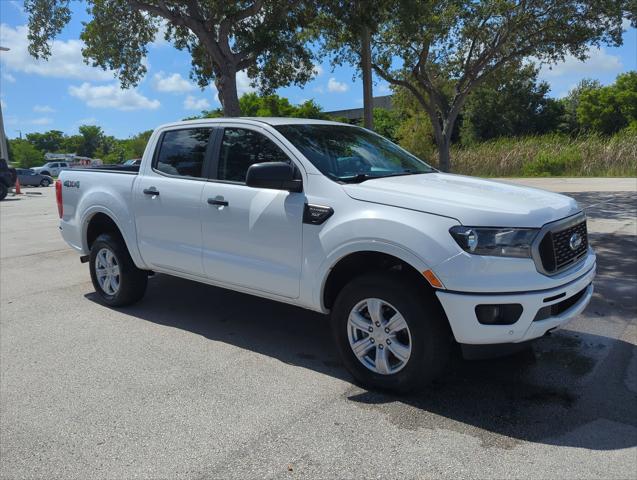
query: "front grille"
560, 307
555, 248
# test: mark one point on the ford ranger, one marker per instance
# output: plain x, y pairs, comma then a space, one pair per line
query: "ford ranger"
335, 218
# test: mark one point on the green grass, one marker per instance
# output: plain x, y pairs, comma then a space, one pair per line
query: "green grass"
549, 155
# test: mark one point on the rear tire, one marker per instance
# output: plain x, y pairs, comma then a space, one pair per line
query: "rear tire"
3, 191
115, 277
45, 183
410, 354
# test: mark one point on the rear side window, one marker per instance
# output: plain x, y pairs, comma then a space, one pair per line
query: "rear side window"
183, 152
241, 148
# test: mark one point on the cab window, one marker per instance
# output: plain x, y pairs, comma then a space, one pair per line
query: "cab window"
182, 152
241, 148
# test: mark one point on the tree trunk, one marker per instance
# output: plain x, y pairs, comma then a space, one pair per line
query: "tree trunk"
366, 69
444, 159
226, 84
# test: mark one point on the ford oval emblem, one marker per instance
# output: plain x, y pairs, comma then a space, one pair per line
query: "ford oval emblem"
575, 241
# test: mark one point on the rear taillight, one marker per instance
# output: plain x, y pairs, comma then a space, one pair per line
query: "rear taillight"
58, 197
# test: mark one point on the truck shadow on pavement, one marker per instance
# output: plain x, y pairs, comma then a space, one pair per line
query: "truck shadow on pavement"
572, 388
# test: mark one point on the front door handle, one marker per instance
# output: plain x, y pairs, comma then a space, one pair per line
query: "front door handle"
151, 191
217, 201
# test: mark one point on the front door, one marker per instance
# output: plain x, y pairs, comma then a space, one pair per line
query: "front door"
251, 236
168, 201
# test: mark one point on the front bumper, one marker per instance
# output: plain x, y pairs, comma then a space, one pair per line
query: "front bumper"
461, 312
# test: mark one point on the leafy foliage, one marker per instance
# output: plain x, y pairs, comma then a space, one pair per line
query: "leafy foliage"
518, 105
460, 44
255, 105
23, 154
609, 109
263, 37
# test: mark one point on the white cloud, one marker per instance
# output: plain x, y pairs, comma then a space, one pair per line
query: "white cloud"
598, 62
383, 89
334, 85
174, 83
160, 39
626, 24
244, 83
66, 59
112, 96
8, 77
192, 103
43, 109
87, 121
42, 121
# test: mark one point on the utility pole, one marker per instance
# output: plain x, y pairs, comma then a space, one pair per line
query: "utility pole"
4, 152
366, 69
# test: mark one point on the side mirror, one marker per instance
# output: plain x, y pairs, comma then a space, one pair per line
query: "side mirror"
275, 175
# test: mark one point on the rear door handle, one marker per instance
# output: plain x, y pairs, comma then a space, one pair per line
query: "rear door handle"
217, 201
151, 191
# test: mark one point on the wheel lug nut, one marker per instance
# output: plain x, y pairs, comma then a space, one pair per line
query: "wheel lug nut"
372, 340
387, 330
380, 346
378, 324
370, 329
388, 341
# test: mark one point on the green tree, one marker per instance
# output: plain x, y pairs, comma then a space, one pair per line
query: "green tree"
23, 154
348, 28
462, 43
609, 109
386, 123
255, 105
263, 37
570, 103
514, 106
50, 141
92, 139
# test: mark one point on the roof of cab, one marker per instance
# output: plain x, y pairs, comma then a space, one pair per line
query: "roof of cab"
252, 120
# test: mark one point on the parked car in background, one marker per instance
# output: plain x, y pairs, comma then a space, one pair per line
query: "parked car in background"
28, 177
52, 169
7, 178
133, 162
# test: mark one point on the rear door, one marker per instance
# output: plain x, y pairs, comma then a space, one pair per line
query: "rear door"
251, 236
168, 201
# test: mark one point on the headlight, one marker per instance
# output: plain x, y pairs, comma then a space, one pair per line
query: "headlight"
500, 242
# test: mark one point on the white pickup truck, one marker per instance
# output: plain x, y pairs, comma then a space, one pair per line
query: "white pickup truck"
336, 219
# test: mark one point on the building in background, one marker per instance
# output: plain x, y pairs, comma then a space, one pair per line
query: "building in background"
355, 115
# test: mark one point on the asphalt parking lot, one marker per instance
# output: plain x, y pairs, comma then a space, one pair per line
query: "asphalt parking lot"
199, 382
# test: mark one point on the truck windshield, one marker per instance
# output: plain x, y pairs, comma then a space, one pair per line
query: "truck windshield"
351, 154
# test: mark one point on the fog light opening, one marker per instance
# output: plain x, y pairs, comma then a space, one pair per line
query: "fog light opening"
499, 314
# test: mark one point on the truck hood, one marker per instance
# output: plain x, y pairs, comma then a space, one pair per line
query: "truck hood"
472, 201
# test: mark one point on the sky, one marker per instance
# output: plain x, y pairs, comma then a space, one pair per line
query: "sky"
64, 93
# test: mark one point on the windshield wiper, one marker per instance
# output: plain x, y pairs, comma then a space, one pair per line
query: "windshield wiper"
361, 177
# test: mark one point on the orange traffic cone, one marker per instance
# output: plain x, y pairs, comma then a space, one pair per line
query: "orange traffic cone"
17, 187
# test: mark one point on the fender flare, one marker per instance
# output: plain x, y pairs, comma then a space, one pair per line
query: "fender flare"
131, 243
357, 246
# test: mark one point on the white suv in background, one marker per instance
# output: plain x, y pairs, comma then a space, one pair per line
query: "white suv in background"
52, 169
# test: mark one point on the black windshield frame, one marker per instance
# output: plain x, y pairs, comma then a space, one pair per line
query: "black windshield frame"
350, 154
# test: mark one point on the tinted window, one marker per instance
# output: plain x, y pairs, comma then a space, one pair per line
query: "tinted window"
182, 152
350, 153
241, 148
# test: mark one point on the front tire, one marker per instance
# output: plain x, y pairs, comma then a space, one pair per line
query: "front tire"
391, 334
114, 275
3, 191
